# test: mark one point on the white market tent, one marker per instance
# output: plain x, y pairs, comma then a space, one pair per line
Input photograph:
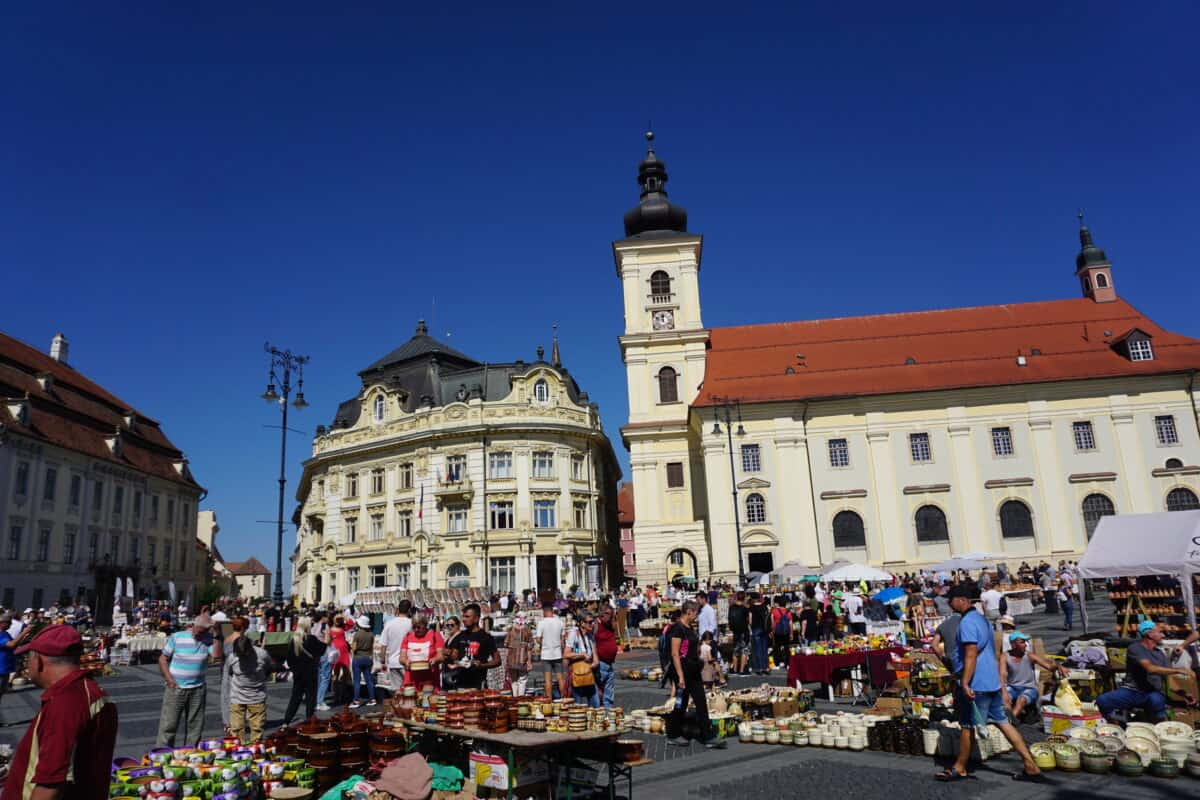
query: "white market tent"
838, 573
1163, 543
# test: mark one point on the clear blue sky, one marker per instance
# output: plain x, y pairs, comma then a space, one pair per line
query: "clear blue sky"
181, 185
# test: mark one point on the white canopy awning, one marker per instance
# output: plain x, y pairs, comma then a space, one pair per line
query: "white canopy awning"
1163, 543
854, 572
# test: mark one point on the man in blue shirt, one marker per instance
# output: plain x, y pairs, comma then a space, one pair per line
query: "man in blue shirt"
8, 644
977, 696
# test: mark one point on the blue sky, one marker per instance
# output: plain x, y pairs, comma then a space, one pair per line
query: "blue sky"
185, 181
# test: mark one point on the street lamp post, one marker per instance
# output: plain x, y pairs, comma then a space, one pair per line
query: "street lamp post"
725, 410
282, 364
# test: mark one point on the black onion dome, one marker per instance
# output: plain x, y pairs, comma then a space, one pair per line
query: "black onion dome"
1089, 254
654, 214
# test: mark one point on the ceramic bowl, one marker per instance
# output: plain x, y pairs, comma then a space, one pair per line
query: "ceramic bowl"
841, 742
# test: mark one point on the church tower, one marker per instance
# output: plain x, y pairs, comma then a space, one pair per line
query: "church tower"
663, 348
1093, 268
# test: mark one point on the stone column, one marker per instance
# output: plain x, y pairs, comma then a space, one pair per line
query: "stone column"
797, 525
892, 540
967, 491
720, 507
1132, 460
1050, 480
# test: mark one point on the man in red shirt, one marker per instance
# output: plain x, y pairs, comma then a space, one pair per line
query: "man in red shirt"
606, 652
66, 754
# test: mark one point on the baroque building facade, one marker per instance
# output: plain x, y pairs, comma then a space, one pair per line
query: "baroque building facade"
896, 439
91, 491
448, 472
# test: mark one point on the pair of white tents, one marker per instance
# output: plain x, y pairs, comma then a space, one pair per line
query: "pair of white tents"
1130, 545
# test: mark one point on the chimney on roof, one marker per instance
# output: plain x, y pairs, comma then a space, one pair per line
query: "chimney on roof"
58, 348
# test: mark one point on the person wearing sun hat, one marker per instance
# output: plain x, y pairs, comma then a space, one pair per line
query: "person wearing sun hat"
67, 750
1145, 667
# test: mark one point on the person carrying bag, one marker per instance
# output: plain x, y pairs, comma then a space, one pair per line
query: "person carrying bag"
582, 662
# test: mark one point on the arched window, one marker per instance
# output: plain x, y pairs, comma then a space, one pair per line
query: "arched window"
458, 570
1182, 499
660, 286
541, 392
1174, 463
1101, 280
380, 407
848, 530
668, 392
756, 508
1015, 520
1095, 506
931, 525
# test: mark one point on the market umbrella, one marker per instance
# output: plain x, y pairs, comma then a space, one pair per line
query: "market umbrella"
848, 572
792, 570
957, 563
889, 594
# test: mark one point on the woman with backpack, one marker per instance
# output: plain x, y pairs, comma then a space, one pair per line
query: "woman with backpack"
781, 631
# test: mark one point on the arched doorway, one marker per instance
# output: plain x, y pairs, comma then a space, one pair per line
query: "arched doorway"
681, 563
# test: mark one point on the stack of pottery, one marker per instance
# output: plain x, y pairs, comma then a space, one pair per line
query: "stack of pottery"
758, 733
1175, 741
1043, 755
1142, 739
1129, 763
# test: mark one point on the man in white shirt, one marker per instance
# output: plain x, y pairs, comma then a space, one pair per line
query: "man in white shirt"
707, 619
548, 643
390, 639
853, 604
990, 599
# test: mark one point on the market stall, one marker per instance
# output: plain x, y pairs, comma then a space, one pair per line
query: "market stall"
822, 667
1162, 543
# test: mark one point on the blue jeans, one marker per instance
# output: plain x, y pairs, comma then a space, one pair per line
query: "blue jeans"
361, 665
588, 696
1127, 697
606, 684
758, 651
1068, 607
324, 674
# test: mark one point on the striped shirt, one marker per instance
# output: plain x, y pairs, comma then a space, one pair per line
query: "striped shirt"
189, 659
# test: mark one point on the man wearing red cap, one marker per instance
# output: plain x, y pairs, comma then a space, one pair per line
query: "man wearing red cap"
66, 754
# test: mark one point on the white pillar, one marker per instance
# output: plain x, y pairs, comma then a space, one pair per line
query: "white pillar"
1050, 482
798, 529
974, 534
892, 538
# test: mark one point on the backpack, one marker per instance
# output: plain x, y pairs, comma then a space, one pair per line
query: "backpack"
784, 626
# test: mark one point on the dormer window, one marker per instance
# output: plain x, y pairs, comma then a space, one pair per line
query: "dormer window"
380, 408
541, 392
1140, 350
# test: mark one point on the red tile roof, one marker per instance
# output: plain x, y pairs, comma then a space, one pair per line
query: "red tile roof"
251, 566
625, 503
951, 349
80, 415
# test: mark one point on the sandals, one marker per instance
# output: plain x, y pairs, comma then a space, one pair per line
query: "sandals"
950, 776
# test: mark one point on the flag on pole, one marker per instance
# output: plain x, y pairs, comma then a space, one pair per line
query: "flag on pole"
117, 590
129, 588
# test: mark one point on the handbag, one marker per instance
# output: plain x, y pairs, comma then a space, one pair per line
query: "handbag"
581, 675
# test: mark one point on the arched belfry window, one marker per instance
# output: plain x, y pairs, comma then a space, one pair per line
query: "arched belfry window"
660, 286
668, 389
1101, 280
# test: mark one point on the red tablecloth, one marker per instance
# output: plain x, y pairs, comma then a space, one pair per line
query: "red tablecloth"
820, 669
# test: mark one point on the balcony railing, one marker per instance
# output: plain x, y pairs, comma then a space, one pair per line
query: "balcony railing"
662, 298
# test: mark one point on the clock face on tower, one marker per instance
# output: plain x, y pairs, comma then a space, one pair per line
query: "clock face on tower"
664, 320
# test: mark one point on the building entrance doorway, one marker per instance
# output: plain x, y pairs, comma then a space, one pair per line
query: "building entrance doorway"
681, 564
547, 573
760, 562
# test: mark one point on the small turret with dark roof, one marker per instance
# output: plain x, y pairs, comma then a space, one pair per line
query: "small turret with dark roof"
1089, 254
654, 214
1093, 268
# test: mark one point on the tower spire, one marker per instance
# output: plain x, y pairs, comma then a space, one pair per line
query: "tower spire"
555, 358
654, 214
1093, 268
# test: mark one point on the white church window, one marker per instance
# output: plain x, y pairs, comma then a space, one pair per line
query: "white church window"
1140, 350
751, 458
1002, 443
756, 509
541, 392
1164, 429
839, 453
918, 446
1182, 499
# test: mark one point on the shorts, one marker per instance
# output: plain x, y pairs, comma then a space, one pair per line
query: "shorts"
1028, 692
988, 707
741, 643
555, 665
